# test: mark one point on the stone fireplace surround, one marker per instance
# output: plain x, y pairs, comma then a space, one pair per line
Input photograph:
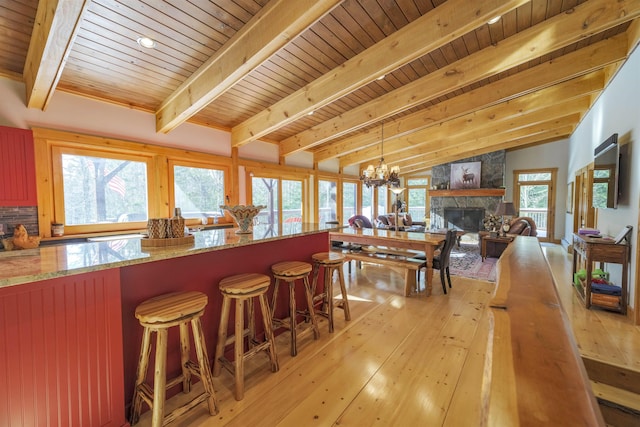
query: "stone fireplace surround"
492, 176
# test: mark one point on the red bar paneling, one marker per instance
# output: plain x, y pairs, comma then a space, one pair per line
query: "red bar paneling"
202, 273
61, 355
17, 170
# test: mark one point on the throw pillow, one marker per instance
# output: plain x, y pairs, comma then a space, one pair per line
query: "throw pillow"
407, 220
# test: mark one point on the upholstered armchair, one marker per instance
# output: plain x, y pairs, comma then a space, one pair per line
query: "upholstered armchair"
523, 226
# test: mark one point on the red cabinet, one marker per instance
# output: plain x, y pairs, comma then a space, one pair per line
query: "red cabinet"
17, 170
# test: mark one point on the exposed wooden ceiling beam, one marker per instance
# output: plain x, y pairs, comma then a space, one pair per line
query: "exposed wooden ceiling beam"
549, 73
488, 139
269, 30
585, 20
434, 29
405, 145
492, 121
538, 139
54, 33
567, 67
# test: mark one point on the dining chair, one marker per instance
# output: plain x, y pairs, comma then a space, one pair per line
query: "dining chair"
441, 261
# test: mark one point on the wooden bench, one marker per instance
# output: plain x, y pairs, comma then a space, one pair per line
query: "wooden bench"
393, 258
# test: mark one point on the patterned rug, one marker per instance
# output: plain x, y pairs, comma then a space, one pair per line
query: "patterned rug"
466, 261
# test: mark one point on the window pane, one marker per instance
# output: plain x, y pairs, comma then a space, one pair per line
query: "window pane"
367, 200
382, 200
327, 204
349, 202
417, 203
545, 176
199, 192
291, 201
100, 190
417, 181
265, 192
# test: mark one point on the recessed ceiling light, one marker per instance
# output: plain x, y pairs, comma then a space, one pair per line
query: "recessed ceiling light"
494, 20
146, 42
381, 77
310, 113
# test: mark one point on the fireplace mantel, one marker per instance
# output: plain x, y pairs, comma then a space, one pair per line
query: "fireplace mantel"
470, 192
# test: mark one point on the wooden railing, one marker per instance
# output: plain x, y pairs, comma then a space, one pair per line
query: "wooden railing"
534, 373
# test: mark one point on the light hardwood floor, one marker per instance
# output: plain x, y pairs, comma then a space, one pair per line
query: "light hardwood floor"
399, 361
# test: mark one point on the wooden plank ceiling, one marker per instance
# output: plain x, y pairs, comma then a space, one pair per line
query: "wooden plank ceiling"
323, 75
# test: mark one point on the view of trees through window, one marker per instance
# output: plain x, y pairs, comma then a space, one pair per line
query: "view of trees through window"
349, 199
265, 192
417, 197
198, 192
327, 203
534, 191
102, 190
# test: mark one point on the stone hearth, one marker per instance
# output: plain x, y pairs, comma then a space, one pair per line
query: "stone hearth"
468, 219
491, 176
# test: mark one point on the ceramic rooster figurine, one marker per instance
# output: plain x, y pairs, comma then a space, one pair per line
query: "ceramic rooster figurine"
22, 240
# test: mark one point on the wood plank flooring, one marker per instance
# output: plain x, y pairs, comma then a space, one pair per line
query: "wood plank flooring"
399, 361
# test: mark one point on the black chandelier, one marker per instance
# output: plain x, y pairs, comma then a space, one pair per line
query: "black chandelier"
381, 175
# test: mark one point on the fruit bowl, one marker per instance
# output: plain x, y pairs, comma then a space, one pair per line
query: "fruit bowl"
243, 215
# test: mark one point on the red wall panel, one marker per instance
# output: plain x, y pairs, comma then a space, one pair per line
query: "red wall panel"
61, 352
202, 273
17, 173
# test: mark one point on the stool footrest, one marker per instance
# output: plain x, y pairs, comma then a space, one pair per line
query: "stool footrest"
146, 394
178, 412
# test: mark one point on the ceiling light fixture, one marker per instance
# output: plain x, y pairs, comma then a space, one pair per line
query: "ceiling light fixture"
146, 42
494, 20
381, 175
381, 77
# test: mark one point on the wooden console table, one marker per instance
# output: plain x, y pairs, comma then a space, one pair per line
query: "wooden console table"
602, 250
494, 246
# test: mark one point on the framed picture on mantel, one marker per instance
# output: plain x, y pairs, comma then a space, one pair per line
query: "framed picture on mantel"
465, 175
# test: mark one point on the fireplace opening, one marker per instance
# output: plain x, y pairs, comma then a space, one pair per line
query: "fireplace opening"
467, 219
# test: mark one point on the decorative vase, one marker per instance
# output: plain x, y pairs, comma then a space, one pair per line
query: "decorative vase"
243, 215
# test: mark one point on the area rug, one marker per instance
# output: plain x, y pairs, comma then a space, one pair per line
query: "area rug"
466, 261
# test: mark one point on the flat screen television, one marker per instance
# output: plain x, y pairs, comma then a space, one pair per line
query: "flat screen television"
606, 173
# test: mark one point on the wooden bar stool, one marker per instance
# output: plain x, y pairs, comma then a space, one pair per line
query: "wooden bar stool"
290, 271
243, 288
330, 261
158, 315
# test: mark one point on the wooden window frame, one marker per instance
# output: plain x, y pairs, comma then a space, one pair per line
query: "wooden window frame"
49, 144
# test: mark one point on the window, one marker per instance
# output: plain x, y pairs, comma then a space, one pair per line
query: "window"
534, 197
100, 190
382, 200
367, 200
417, 197
327, 203
93, 184
349, 199
198, 191
270, 191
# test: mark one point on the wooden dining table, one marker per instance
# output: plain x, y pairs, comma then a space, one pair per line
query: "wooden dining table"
427, 242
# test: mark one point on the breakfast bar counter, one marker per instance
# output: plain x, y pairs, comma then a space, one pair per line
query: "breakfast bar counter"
71, 340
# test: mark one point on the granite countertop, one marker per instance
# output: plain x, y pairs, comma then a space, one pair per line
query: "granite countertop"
46, 262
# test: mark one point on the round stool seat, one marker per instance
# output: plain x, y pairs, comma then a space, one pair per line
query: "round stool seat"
291, 269
329, 258
171, 307
245, 284
157, 315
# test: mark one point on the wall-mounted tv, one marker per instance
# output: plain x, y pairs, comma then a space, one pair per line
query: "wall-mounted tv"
606, 173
